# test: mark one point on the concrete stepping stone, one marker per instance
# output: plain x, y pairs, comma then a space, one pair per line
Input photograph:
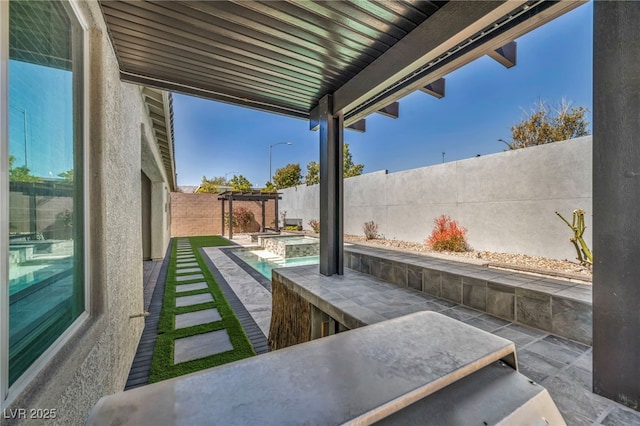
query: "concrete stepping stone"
196, 318
196, 299
187, 264
201, 345
189, 287
187, 270
190, 277
186, 259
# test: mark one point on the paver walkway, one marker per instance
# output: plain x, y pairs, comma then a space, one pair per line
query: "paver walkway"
199, 345
255, 298
154, 276
150, 273
192, 347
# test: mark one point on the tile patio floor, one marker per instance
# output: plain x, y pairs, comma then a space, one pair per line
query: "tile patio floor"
561, 365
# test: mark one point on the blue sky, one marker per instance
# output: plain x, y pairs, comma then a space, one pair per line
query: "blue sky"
483, 99
40, 118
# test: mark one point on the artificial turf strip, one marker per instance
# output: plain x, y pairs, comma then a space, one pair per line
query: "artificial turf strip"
162, 366
208, 241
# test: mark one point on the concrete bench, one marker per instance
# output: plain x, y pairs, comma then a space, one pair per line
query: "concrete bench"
357, 377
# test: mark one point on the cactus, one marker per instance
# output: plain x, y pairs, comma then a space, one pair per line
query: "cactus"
577, 226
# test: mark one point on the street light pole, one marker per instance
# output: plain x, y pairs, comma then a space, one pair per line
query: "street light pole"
271, 146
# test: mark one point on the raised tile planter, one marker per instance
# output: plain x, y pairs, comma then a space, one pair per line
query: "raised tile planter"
559, 307
290, 246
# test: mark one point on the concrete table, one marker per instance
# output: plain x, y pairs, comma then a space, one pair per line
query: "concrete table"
359, 376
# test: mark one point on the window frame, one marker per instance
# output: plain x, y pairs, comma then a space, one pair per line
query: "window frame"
9, 393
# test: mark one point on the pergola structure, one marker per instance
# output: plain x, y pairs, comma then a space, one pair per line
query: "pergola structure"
335, 62
262, 197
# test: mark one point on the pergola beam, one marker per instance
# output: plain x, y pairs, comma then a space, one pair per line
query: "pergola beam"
506, 55
369, 91
262, 197
392, 110
425, 43
359, 126
225, 97
435, 88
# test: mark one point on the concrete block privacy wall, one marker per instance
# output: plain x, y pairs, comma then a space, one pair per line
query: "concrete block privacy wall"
507, 201
201, 214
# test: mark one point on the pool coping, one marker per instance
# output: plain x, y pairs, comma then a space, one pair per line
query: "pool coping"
261, 279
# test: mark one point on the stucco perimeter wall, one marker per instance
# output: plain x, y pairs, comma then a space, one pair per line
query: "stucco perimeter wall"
506, 200
201, 214
94, 358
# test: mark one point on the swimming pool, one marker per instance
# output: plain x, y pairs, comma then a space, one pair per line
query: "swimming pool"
264, 261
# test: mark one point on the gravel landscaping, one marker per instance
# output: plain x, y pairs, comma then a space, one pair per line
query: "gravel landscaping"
532, 264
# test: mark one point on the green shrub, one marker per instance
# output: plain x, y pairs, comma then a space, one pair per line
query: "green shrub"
447, 235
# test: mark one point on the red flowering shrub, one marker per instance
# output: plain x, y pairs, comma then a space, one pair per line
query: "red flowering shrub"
447, 235
242, 218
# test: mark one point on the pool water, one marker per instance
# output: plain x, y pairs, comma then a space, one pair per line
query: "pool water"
264, 261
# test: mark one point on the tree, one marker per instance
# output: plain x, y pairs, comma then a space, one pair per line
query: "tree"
67, 176
287, 176
349, 168
240, 183
20, 174
313, 173
546, 124
269, 187
211, 186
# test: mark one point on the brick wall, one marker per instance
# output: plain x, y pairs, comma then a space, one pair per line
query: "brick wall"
200, 214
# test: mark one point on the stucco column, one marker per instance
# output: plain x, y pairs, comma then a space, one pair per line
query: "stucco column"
616, 201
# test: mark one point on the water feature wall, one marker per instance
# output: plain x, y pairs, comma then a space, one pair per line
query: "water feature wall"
291, 246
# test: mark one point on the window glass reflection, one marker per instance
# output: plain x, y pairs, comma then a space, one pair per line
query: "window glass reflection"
46, 274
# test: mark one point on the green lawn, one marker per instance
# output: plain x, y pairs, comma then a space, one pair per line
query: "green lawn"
162, 366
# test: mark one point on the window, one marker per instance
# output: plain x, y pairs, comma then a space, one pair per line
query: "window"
45, 201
